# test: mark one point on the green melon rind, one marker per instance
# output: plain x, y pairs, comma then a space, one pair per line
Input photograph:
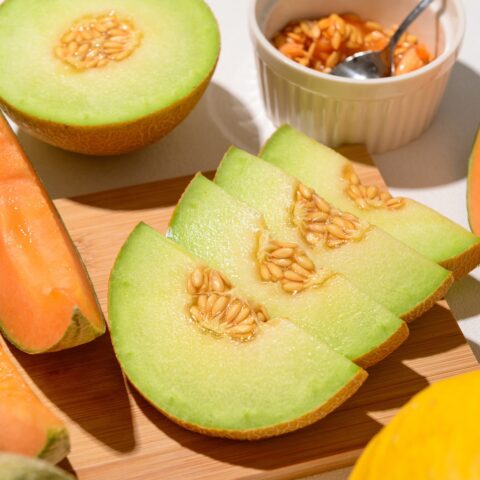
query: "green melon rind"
57, 446
178, 52
213, 385
336, 312
17, 467
386, 276
425, 230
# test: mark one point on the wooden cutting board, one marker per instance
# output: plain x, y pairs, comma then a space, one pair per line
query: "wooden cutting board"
116, 435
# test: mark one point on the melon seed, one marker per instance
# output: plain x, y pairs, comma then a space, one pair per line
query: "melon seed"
93, 42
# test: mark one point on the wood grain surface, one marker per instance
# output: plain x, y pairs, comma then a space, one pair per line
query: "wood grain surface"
116, 435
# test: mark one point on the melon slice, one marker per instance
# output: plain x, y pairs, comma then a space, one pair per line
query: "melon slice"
208, 357
407, 284
332, 176
17, 467
104, 76
28, 427
473, 194
434, 436
46, 300
232, 237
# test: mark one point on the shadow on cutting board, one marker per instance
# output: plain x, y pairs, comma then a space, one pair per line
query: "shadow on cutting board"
390, 385
87, 385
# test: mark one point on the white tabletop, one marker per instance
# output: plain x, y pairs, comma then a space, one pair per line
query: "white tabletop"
432, 169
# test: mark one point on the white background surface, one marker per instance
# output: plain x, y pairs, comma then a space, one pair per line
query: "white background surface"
432, 169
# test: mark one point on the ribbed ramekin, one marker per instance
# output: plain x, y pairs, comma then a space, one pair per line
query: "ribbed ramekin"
385, 113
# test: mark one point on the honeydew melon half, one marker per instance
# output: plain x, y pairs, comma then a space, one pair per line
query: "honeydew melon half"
390, 272
136, 72
330, 175
272, 379
18, 467
232, 237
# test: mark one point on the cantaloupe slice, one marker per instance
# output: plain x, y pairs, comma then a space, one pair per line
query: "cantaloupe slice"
18, 467
407, 283
27, 426
232, 237
434, 436
333, 177
46, 300
473, 193
209, 358
104, 77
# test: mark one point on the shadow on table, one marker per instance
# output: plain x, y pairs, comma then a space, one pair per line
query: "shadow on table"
87, 385
464, 301
440, 155
218, 121
390, 384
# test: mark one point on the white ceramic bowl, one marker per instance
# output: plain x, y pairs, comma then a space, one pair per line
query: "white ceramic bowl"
385, 113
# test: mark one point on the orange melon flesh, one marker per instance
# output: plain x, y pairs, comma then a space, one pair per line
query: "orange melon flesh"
28, 427
473, 195
46, 299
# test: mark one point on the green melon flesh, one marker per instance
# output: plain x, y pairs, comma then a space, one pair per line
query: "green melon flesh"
387, 270
224, 231
17, 467
431, 234
213, 384
178, 51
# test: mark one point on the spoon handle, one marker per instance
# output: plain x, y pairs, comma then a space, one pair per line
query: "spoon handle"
406, 23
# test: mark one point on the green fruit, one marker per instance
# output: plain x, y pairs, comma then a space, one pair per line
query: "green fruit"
407, 283
92, 100
232, 237
431, 234
17, 467
276, 380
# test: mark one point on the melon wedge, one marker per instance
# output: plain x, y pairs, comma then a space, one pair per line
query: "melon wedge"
232, 237
28, 427
205, 372
104, 77
330, 175
46, 300
434, 436
407, 284
473, 193
17, 467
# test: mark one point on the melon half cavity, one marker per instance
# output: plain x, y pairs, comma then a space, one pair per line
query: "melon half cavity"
280, 275
387, 270
207, 356
104, 76
333, 177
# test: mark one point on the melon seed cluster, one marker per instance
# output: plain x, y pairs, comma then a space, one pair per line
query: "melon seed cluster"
216, 310
319, 222
288, 264
369, 196
95, 41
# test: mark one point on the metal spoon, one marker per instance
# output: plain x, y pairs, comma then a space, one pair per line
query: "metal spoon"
372, 64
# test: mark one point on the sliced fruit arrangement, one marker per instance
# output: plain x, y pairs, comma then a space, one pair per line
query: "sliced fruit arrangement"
46, 300
338, 240
473, 195
435, 435
109, 76
28, 427
18, 467
208, 357
232, 237
333, 177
